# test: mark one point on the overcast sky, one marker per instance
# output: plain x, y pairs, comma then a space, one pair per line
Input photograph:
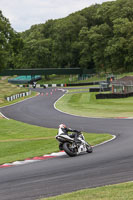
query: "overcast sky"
22, 14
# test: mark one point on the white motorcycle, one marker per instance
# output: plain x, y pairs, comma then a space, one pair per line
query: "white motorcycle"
72, 148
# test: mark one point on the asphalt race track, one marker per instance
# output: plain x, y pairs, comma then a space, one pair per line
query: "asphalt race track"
110, 163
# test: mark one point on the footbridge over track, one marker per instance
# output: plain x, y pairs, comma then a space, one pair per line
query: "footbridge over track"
48, 71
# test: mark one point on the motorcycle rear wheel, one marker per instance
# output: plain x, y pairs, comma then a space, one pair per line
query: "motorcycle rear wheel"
67, 148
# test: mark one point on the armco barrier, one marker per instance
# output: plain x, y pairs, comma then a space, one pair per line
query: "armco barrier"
16, 96
59, 85
113, 95
42, 85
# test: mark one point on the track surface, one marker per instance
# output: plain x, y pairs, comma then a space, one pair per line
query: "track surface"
110, 163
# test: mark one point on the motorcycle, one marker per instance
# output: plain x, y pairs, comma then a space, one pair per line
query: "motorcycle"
34, 84
71, 147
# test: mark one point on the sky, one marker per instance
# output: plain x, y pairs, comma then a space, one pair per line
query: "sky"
22, 14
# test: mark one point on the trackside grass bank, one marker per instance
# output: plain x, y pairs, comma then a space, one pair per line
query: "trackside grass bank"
7, 90
86, 104
19, 141
66, 79
122, 191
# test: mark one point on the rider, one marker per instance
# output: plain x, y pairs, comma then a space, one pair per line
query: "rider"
63, 130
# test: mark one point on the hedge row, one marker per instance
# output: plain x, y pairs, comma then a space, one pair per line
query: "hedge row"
81, 84
113, 95
99, 89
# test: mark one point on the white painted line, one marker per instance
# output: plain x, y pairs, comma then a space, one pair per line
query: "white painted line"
18, 162
73, 114
84, 116
114, 137
58, 154
4, 116
18, 102
29, 161
47, 155
7, 164
23, 162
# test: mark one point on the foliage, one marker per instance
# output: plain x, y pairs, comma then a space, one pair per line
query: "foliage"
10, 43
99, 38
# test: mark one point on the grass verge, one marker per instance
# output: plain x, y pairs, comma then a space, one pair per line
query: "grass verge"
59, 79
86, 104
123, 191
7, 89
19, 140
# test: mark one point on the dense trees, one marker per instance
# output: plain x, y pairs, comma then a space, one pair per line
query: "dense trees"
10, 43
99, 38
5, 35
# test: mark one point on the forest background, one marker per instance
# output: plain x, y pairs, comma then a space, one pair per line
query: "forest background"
98, 38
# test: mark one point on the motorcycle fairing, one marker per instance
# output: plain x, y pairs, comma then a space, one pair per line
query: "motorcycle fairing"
64, 138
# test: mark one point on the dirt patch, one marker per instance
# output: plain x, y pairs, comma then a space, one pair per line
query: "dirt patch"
1, 116
4, 77
1, 101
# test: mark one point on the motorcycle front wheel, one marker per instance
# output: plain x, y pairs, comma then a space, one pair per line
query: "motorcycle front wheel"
69, 150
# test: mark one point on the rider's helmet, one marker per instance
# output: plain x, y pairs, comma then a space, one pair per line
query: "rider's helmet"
62, 126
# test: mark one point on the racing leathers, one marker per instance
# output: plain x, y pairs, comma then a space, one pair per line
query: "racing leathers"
64, 131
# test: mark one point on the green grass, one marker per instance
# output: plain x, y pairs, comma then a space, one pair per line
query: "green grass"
7, 89
6, 103
124, 74
62, 79
56, 79
78, 90
19, 140
123, 191
86, 104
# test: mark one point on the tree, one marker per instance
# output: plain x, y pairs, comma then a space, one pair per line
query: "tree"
65, 37
5, 37
35, 54
98, 37
119, 47
10, 44
85, 49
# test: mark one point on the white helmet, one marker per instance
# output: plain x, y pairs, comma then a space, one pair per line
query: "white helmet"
62, 126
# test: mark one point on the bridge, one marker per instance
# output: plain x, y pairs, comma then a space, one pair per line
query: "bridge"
48, 71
